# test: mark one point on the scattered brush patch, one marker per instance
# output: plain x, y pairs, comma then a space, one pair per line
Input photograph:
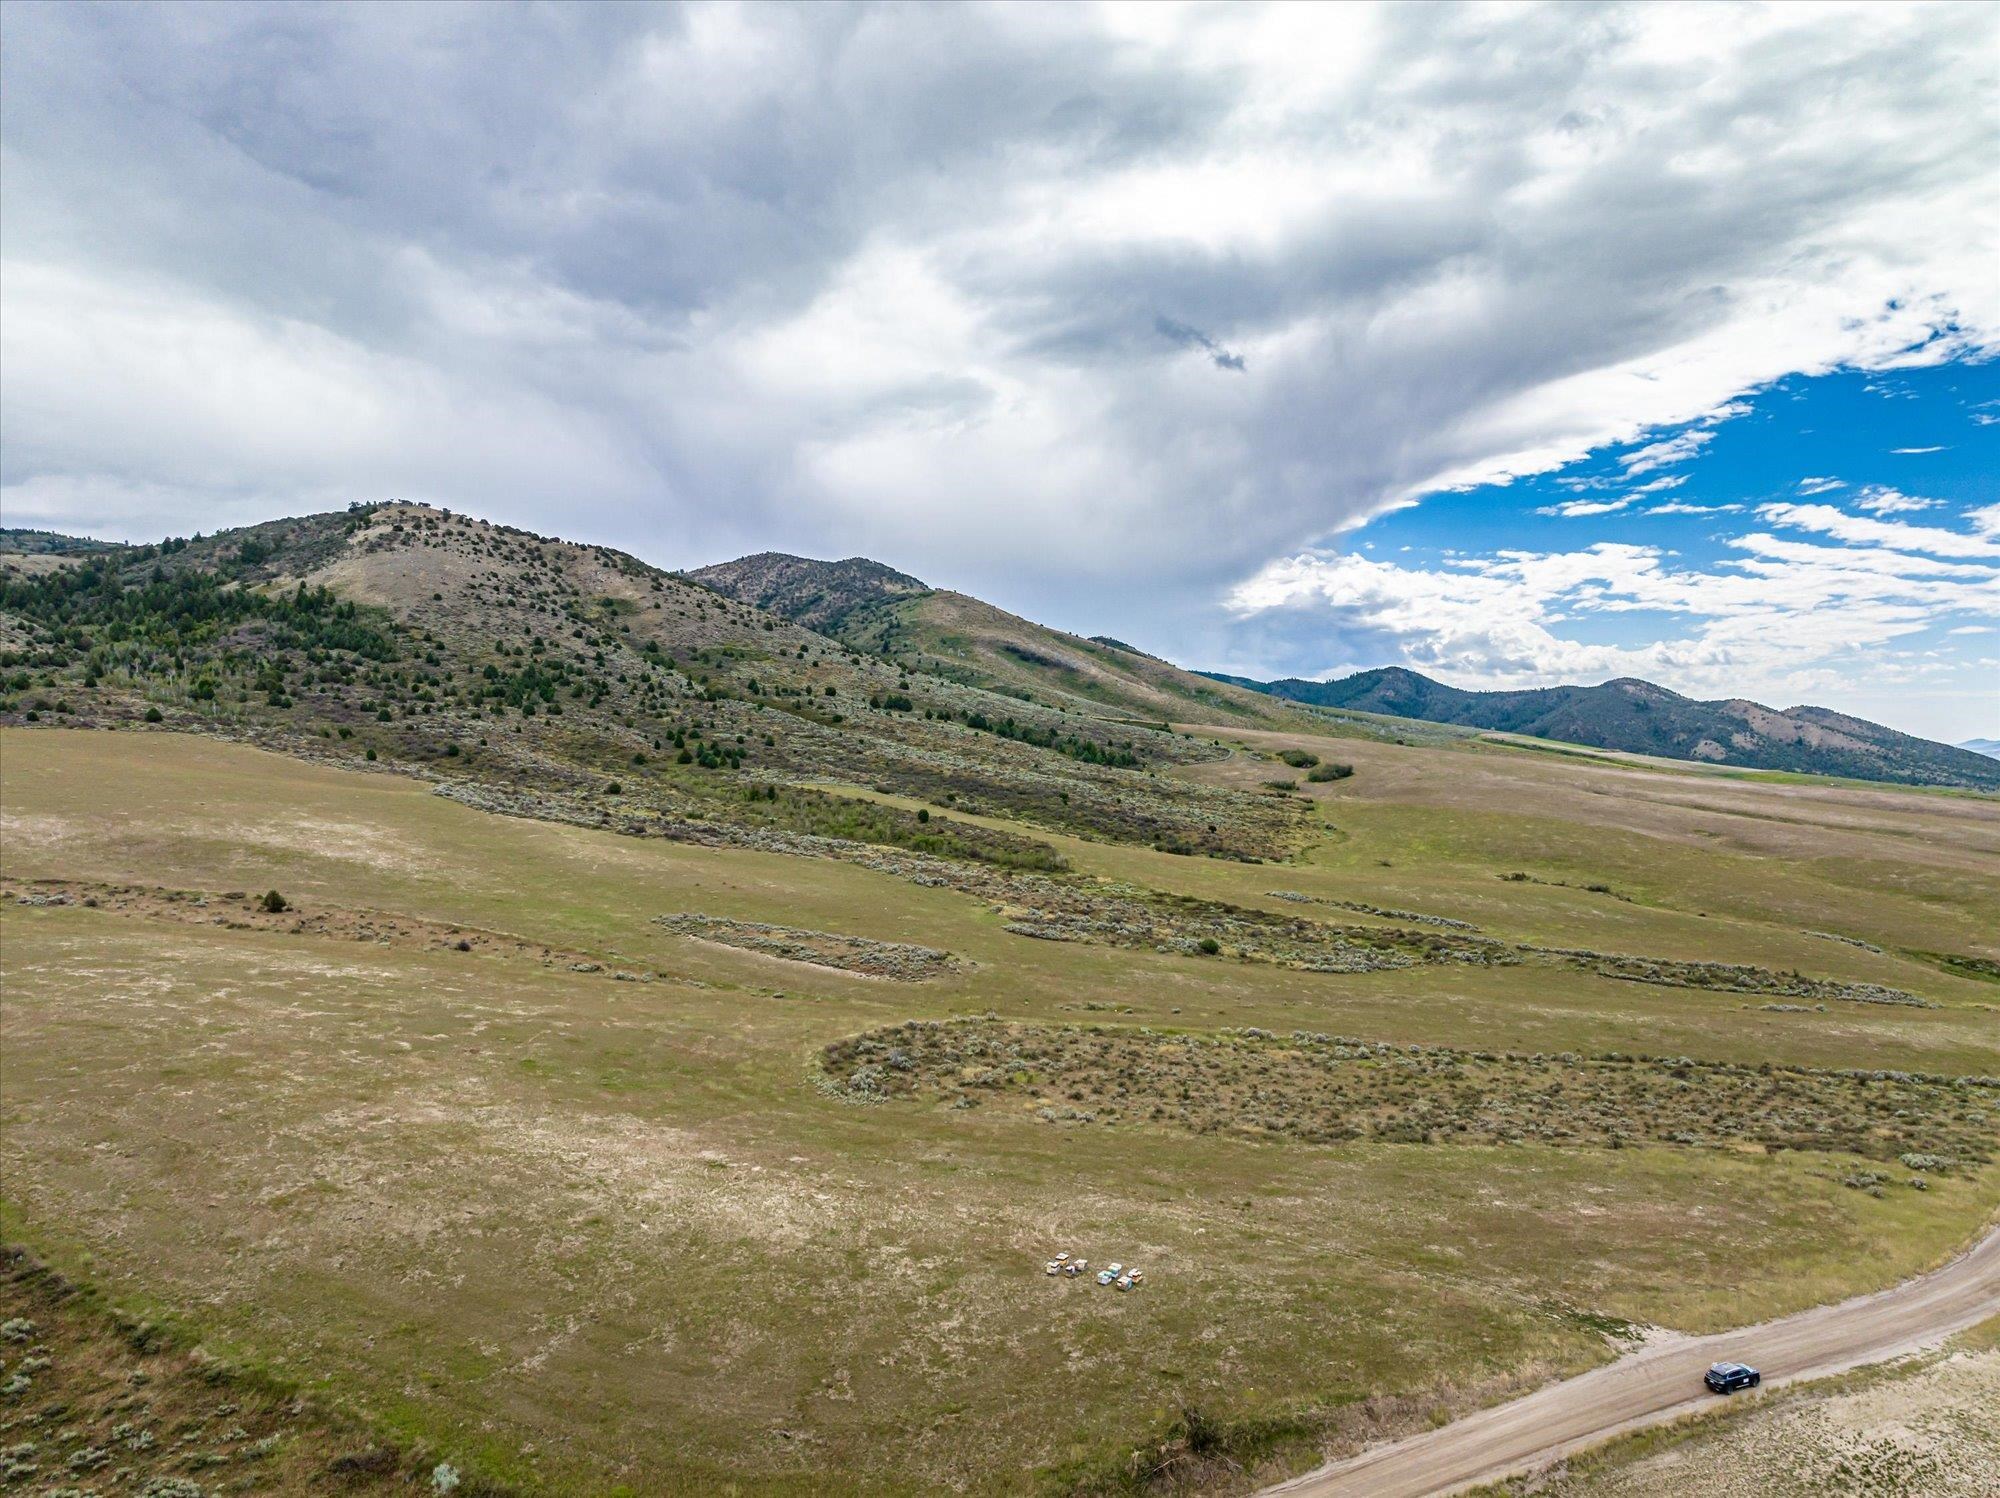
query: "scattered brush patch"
236, 911
1322, 1089
822, 814
1299, 759
96, 1401
1852, 941
1363, 908
1594, 888
853, 954
1984, 969
1329, 771
1731, 977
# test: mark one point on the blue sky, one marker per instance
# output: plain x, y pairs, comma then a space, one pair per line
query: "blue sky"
1176, 323
1831, 539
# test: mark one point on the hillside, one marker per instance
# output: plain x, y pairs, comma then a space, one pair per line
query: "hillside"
951, 635
821, 596
1640, 718
499, 662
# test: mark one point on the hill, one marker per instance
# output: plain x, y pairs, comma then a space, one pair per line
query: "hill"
964, 639
1989, 747
1639, 717
819, 595
504, 664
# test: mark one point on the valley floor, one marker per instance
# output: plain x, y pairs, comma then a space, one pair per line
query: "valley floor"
470, 1145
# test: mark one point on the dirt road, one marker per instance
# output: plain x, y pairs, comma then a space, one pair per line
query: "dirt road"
1662, 1381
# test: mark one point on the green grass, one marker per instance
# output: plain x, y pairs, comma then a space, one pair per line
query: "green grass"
489, 1203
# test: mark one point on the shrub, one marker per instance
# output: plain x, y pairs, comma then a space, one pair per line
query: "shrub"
1209, 946
274, 902
1329, 772
1298, 759
154, 715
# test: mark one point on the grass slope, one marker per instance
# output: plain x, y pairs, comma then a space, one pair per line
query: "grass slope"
939, 632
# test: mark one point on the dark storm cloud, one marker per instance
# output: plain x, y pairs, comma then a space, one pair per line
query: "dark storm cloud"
1187, 337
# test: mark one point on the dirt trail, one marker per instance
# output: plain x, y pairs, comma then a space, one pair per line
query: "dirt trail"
1662, 1382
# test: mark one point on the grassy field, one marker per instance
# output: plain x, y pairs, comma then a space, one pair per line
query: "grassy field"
574, 1209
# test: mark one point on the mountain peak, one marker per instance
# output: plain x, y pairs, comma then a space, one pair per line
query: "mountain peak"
820, 595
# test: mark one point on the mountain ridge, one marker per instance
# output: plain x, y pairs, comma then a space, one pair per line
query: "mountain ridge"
1642, 717
870, 606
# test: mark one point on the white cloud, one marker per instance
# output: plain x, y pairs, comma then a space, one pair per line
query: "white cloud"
1677, 507
1780, 618
1880, 499
1912, 451
1676, 449
719, 278
1572, 509
1820, 485
1860, 530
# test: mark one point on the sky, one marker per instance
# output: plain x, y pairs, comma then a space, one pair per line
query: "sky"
1515, 344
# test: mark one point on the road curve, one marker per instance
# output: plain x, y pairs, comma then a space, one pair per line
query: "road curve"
1662, 1382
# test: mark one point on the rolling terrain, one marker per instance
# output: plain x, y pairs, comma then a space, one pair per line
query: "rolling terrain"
964, 639
1640, 718
519, 1010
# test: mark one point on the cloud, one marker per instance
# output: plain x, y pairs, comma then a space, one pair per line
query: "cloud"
1911, 451
1676, 507
1895, 534
1676, 449
1181, 333
1574, 508
1776, 617
1820, 486
715, 278
1880, 499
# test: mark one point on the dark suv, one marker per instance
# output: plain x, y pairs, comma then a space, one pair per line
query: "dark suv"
1727, 1378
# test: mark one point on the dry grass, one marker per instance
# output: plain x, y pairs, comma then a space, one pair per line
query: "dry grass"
577, 1234
1322, 1090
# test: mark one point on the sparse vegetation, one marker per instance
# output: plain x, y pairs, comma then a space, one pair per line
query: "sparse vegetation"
1323, 1089
328, 1136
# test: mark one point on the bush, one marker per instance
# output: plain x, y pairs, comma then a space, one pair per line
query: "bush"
274, 902
154, 715
1298, 759
1209, 946
1329, 772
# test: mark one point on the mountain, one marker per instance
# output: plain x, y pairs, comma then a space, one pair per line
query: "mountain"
1641, 718
1988, 747
818, 595
505, 665
876, 609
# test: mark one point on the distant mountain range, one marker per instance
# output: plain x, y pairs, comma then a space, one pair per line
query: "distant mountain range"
1988, 747
1641, 718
